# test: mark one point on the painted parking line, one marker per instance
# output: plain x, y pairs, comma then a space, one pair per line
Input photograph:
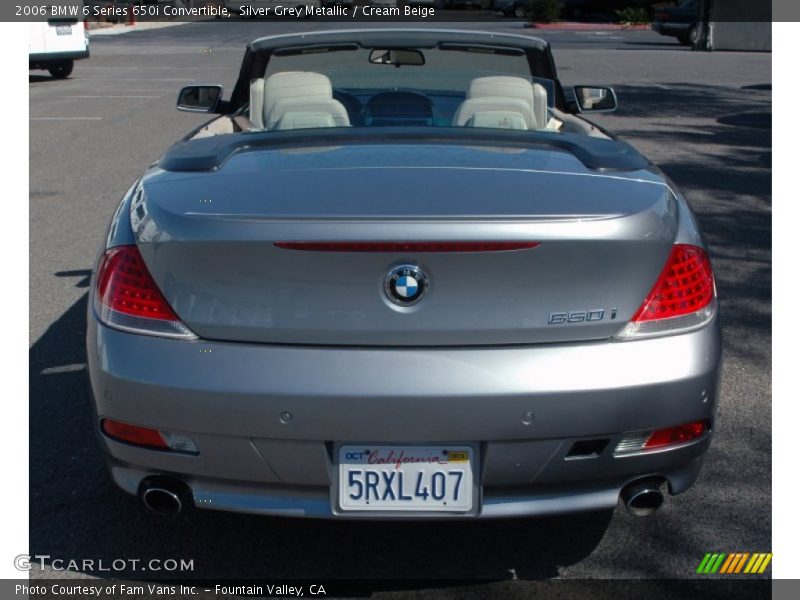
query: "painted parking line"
141, 68
82, 90
106, 96
114, 79
73, 368
65, 119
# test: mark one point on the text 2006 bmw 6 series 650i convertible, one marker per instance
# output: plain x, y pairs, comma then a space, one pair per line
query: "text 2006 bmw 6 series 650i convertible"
397, 276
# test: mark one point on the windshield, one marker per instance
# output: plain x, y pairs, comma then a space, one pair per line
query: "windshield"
449, 85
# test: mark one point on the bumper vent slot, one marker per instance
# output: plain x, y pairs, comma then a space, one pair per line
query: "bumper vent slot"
586, 449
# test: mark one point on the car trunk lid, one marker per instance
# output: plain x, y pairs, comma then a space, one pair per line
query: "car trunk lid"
598, 242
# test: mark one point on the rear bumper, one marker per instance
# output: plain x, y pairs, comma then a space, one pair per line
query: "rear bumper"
316, 501
229, 398
53, 57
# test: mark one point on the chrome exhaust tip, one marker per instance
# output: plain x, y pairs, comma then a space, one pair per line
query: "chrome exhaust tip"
643, 498
164, 496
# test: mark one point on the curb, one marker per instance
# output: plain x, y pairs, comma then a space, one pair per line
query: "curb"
573, 26
123, 28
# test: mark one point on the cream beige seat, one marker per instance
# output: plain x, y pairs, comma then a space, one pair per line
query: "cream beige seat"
507, 113
294, 100
503, 99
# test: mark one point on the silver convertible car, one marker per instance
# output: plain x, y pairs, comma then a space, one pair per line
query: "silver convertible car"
399, 276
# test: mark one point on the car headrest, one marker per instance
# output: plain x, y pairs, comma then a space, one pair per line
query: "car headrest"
293, 85
501, 85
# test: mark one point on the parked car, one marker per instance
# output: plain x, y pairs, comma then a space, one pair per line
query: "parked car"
600, 9
572, 9
511, 8
465, 4
399, 275
56, 44
682, 21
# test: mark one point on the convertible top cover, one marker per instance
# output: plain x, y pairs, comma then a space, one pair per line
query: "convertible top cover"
207, 154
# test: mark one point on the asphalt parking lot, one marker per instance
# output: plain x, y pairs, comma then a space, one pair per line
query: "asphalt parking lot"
704, 118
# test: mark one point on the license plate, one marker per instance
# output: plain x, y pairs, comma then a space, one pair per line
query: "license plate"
63, 29
405, 478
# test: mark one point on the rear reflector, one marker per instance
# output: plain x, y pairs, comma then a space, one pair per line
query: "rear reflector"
672, 436
682, 299
421, 247
146, 437
133, 434
127, 297
644, 441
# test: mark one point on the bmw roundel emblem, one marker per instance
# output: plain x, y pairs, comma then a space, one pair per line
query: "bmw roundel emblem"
406, 284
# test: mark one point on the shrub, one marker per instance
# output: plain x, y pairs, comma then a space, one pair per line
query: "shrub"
545, 11
634, 14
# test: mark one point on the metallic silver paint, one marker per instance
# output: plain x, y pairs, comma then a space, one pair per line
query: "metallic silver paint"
229, 402
603, 238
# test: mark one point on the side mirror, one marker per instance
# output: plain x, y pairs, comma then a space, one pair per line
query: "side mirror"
591, 98
200, 98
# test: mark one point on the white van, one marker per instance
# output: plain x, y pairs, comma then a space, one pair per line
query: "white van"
55, 45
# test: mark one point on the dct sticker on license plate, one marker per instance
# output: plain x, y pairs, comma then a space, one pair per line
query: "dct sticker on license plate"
64, 30
405, 478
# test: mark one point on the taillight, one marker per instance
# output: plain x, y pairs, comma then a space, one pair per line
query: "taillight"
682, 299
127, 297
672, 436
147, 437
661, 439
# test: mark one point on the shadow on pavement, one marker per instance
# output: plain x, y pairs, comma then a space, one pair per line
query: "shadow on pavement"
716, 147
676, 45
710, 140
77, 512
759, 86
42, 79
